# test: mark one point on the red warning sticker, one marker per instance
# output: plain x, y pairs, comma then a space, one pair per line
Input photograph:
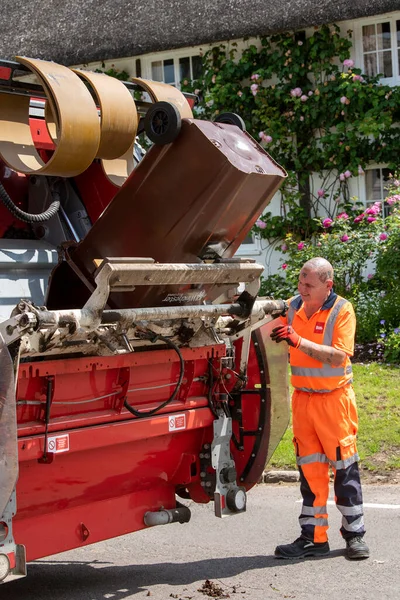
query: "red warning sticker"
176, 422
58, 443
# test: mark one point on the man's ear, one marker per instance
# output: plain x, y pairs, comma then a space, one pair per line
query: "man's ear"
329, 284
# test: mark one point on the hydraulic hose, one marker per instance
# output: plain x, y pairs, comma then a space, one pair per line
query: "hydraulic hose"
148, 413
28, 217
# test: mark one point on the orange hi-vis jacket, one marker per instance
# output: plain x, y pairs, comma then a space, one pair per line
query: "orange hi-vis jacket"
333, 325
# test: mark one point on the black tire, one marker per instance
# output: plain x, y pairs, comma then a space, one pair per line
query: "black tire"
162, 123
231, 119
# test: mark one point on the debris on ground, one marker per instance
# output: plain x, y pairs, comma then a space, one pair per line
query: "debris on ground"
213, 590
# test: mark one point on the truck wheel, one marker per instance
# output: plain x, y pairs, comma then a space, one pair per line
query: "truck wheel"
162, 123
231, 119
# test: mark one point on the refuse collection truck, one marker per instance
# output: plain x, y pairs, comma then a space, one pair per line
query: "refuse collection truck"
135, 359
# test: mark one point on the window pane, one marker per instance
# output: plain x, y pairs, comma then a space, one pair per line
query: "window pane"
197, 66
184, 68
169, 72
369, 41
370, 66
156, 71
385, 63
248, 239
373, 185
398, 33
384, 41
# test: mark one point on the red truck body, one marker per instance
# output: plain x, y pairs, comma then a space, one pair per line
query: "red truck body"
141, 380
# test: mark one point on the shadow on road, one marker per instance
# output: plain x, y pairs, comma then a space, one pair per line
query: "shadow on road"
92, 580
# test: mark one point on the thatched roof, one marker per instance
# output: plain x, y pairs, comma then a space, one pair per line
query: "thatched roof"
77, 31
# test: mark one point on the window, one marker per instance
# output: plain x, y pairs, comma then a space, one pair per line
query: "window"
380, 48
375, 184
250, 246
175, 70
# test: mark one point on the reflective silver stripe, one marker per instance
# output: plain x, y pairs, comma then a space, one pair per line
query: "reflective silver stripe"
312, 391
326, 371
354, 526
312, 458
291, 311
314, 510
343, 464
313, 521
350, 511
331, 320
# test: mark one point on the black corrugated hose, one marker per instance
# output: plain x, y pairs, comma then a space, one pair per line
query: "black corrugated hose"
28, 217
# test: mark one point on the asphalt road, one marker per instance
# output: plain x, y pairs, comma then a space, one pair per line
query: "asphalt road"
235, 553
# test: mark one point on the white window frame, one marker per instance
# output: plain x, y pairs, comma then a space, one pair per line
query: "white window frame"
253, 249
359, 53
363, 187
174, 55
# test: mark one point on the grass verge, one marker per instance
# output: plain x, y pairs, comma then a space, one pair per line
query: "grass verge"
377, 388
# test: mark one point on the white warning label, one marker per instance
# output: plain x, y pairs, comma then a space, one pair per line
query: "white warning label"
176, 422
58, 443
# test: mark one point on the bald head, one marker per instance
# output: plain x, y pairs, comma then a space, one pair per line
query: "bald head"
321, 267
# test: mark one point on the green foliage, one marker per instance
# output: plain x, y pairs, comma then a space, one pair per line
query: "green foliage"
308, 105
121, 75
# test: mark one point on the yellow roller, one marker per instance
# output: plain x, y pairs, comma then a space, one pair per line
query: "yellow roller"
167, 93
73, 123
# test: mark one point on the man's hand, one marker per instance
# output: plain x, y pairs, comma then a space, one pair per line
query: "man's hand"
286, 333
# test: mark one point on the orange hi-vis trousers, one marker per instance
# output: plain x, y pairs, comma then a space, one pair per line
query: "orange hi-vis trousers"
325, 427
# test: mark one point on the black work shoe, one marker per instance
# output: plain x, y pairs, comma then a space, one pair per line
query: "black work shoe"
302, 548
356, 548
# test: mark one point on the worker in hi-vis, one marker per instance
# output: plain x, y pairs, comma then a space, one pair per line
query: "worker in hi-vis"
319, 328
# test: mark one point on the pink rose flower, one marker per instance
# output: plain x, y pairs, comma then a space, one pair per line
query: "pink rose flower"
284, 247
261, 224
373, 210
254, 88
300, 246
347, 174
296, 92
304, 98
255, 77
343, 216
349, 63
383, 236
342, 177
327, 223
360, 170
344, 238
370, 276
371, 219
320, 193
343, 100
358, 78
359, 218
284, 266
267, 139
310, 93
261, 134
